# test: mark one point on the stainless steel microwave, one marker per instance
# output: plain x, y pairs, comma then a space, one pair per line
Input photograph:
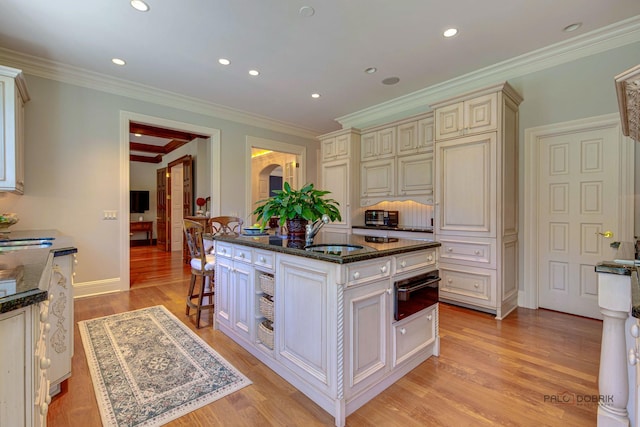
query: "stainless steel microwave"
378, 217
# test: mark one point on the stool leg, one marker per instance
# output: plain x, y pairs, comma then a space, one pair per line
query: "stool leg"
200, 298
192, 285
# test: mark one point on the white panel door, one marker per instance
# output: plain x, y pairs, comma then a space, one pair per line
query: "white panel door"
578, 201
176, 207
335, 178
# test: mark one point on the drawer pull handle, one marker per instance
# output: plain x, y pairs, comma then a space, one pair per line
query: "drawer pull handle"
403, 331
383, 269
403, 264
356, 275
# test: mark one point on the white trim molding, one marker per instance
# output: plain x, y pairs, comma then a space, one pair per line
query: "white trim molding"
528, 296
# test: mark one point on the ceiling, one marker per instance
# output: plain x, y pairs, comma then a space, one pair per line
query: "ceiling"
148, 144
175, 46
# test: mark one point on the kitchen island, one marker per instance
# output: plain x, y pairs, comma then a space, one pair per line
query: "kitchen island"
36, 322
323, 317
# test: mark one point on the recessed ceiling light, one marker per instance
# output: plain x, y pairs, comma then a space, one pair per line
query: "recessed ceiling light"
390, 80
572, 27
139, 5
371, 70
306, 11
450, 32
315, 95
118, 61
254, 72
224, 61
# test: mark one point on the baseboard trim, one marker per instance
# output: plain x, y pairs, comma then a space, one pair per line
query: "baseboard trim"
98, 287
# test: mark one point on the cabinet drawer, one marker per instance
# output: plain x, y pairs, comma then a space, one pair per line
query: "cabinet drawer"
415, 260
413, 334
476, 286
481, 253
223, 249
264, 259
369, 270
242, 253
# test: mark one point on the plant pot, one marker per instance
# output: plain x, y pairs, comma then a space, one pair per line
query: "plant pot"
296, 228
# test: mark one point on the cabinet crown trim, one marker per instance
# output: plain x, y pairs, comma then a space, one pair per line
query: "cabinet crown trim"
504, 87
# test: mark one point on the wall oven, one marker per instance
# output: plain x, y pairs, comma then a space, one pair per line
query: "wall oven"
415, 294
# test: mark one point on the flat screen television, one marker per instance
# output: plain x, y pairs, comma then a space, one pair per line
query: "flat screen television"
138, 201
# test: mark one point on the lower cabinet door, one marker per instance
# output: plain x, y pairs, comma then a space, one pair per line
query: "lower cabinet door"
222, 285
413, 334
367, 314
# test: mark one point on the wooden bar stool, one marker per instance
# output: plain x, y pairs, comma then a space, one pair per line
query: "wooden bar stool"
203, 266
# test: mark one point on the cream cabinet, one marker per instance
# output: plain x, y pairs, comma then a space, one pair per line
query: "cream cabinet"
60, 333
377, 178
340, 154
336, 147
24, 381
234, 281
476, 193
367, 314
13, 96
378, 144
407, 175
470, 116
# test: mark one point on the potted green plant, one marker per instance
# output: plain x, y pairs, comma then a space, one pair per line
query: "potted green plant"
296, 208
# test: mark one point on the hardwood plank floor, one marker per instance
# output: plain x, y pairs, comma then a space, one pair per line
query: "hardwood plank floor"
515, 372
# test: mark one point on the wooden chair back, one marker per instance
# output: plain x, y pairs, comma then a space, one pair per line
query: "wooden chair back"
193, 232
226, 225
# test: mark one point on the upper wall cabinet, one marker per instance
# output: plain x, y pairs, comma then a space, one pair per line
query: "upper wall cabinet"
336, 147
397, 161
13, 96
467, 117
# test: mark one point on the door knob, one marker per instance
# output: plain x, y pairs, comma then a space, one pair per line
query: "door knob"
607, 234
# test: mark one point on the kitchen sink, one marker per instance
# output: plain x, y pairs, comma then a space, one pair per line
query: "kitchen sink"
334, 249
31, 243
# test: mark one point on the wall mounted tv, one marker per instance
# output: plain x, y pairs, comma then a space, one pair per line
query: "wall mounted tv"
138, 201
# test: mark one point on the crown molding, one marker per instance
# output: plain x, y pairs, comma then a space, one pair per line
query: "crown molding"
610, 37
57, 71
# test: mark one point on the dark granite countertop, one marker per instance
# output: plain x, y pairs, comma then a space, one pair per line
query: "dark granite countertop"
21, 270
370, 249
625, 270
412, 228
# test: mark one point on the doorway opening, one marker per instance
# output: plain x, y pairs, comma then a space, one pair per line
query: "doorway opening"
207, 136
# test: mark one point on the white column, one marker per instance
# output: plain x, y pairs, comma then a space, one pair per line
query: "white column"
614, 299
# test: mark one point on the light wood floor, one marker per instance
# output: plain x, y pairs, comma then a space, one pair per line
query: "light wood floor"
489, 372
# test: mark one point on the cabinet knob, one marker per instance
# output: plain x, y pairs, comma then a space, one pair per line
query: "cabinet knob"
356, 275
45, 363
403, 331
388, 291
477, 252
241, 255
263, 259
403, 264
430, 258
633, 357
449, 249
429, 317
383, 269
475, 285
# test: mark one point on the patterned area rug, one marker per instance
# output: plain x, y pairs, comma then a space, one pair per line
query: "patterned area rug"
148, 368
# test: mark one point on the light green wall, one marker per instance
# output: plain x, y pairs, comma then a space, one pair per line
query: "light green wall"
72, 167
